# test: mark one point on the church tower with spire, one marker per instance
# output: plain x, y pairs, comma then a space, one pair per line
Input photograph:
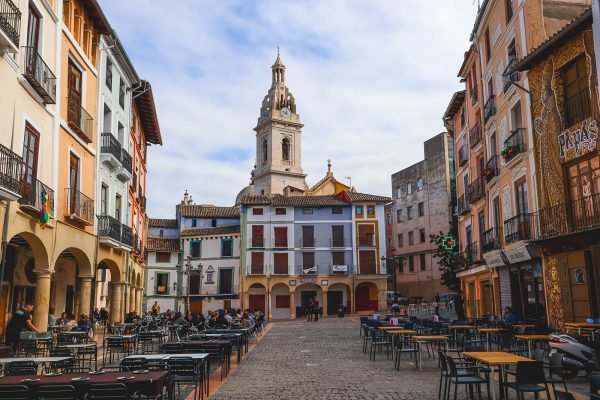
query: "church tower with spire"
278, 137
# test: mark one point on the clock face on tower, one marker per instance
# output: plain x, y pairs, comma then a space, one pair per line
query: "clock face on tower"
285, 112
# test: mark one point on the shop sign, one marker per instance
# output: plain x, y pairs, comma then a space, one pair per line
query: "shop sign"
292, 282
574, 144
308, 280
340, 268
494, 259
517, 254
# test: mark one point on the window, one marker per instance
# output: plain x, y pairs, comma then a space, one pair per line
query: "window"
411, 263
118, 201
195, 283
226, 247
265, 150
509, 11
389, 220
195, 248
213, 223
282, 301
409, 213
161, 233
257, 211
210, 277
307, 211
399, 215
421, 207
121, 93
163, 257
280, 261
281, 239
194, 222
371, 211
359, 210
336, 210
280, 211
398, 192
258, 236
488, 46
225, 280
338, 258
420, 184
308, 236
30, 160
33, 30
521, 193
366, 235
584, 186
422, 262
162, 282
577, 92
109, 76
411, 239
422, 235
400, 240
409, 188
74, 95
308, 260
285, 149
257, 263
337, 236
104, 200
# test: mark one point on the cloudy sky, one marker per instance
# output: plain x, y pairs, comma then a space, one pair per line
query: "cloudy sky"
371, 79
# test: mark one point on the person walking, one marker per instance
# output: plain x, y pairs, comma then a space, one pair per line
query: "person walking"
310, 309
20, 321
317, 308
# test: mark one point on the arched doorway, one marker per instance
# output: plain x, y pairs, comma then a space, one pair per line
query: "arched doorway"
280, 301
110, 289
366, 297
338, 293
303, 294
72, 283
257, 294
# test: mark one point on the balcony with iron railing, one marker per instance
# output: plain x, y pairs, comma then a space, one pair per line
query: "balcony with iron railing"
578, 107
10, 25
307, 269
463, 154
489, 109
31, 191
11, 165
509, 75
475, 134
476, 190
492, 240
472, 254
39, 75
80, 208
463, 204
110, 149
518, 228
514, 145
124, 174
79, 120
109, 230
474, 95
576, 216
127, 238
491, 168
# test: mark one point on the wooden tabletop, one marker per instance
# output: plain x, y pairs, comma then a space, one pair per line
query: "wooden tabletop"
431, 337
390, 327
582, 325
533, 337
462, 327
495, 357
523, 326
490, 330
401, 332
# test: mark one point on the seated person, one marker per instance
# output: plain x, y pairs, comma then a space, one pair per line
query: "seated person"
64, 318
70, 324
84, 323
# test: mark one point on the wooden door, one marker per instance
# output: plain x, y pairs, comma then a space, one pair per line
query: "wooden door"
368, 265
74, 92
225, 281
30, 163
256, 302
73, 183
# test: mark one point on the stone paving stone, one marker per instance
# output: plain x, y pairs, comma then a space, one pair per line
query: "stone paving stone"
324, 360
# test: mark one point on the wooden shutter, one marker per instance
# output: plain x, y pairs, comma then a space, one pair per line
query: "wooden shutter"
308, 236
281, 263
281, 237
258, 235
337, 234
257, 263
308, 260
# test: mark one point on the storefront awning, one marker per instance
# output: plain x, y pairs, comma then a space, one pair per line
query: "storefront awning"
472, 271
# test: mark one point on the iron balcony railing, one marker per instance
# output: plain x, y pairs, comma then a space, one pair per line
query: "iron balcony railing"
463, 204
491, 168
257, 269
472, 254
518, 228
578, 107
11, 165
510, 76
10, 20
143, 202
126, 161
463, 154
475, 134
576, 216
492, 240
110, 145
476, 190
79, 119
79, 206
307, 270
39, 75
31, 194
474, 94
513, 145
109, 227
258, 241
489, 109
126, 235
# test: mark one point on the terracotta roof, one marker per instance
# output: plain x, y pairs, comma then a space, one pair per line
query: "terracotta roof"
161, 244
162, 223
147, 111
548, 44
343, 199
97, 15
206, 211
458, 98
217, 230
368, 197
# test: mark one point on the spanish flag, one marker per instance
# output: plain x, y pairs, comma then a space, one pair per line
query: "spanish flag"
44, 209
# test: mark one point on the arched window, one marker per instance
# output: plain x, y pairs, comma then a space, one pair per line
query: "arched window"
264, 150
285, 149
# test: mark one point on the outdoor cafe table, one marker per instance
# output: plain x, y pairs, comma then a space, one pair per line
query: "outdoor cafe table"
38, 360
487, 332
150, 384
222, 336
456, 328
532, 338
580, 325
495, 359
430, 338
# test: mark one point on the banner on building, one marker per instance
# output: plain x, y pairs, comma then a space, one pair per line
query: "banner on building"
340, 268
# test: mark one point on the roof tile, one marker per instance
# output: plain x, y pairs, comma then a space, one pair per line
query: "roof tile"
217, 230
204, 211
161, 244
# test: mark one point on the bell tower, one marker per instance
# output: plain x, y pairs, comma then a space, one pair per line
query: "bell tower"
278, 134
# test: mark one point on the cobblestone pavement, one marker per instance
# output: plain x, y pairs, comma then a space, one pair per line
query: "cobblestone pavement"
324, 360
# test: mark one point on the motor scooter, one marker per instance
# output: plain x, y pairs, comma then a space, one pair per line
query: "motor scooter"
580, 354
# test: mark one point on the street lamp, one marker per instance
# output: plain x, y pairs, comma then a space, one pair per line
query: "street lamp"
188, 270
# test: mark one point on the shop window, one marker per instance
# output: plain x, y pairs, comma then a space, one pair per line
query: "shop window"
162, 283
577, 92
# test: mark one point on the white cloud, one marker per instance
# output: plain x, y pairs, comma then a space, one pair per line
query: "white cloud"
371, 80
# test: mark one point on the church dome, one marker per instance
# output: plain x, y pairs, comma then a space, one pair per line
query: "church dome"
248, 190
